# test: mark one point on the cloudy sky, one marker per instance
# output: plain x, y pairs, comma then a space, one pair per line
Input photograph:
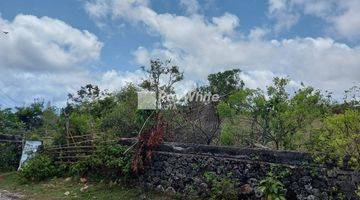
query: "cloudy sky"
54, 47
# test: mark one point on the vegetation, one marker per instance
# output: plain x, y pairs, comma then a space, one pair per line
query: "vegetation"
305, 120
161, 79
9, 157
72, 188
339, 138
273, 119
108, 163
221, 187
272, 188
38, 168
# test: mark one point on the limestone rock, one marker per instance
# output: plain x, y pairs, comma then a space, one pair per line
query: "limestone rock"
160, 188
246, 189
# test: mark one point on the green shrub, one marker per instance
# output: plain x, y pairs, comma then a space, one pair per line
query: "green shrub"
227, 135
337, 139
108, 163
116, 161
272, 188
79, 168
221, 187
80, 124
9, 157
39, 168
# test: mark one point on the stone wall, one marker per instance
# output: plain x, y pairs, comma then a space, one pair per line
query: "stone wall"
182, 168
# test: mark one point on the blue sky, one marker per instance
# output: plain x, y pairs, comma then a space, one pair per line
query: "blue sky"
54, 47
119, 41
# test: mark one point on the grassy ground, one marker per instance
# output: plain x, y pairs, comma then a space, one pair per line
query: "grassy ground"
61, 188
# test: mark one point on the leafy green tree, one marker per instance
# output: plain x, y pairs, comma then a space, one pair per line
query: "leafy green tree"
226, 82
124, 119
228, 134
306, 109
275, 119
90, 100
161, 79
10, 123
31, 115
9, 152
338, 138
87, 93
241, 115
50, 120
80, 124
352, 97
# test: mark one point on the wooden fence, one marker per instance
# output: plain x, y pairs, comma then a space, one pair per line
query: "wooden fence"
72, 150
4, 138
9, 141
77, 147
81, 147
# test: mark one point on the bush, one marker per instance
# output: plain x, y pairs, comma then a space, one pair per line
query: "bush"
80, 124
38, 168
272, 188
114, 160
109, 163
227, 135
80, 168
337, 139
9, 157
221, 187
123, 119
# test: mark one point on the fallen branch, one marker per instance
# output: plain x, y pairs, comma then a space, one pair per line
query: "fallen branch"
135, 143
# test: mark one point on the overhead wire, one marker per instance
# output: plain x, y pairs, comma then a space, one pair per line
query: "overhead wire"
4, 102
9, 97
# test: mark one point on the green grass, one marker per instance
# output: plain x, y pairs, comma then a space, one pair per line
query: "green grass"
57, 187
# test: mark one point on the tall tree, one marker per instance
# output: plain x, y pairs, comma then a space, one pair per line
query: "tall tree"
9, 122
31, 115
276, 117
338, 138
162, 76
226, 82
123, 119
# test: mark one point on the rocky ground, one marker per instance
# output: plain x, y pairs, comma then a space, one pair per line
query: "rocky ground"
6, 195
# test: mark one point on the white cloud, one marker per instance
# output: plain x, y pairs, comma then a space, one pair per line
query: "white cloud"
42, 44
23, 87
202, 47
142, 56
191, 6
258, 33
46, 58
226, 23
282, 12
113, 80
257, 79
343, 16
348, 23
